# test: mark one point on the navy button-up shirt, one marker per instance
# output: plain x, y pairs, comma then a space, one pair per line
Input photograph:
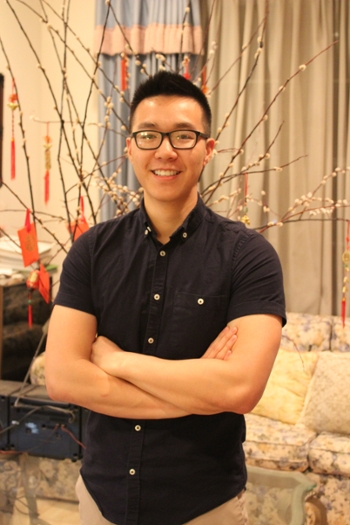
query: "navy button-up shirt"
170, 301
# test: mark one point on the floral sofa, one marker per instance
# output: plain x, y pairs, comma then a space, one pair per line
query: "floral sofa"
302, 422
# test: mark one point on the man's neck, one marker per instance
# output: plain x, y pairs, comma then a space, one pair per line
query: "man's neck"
166, 217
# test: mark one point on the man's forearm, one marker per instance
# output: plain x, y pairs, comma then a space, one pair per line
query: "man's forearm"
90, 387
206, 386
193, 385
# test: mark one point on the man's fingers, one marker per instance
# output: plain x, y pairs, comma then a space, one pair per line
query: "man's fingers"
224, 342
226, 350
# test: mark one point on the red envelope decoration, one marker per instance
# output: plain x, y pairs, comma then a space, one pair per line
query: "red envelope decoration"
78, 227
44, 283
29, 242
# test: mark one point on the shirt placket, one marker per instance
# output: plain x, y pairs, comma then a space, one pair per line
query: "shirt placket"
133, 482
150, 345
156, 302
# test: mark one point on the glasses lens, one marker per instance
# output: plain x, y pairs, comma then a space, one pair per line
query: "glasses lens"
183, 139
148, 139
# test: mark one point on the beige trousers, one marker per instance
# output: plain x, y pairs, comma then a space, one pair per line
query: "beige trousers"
232, 512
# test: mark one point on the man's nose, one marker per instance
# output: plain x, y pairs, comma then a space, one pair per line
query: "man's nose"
166, 148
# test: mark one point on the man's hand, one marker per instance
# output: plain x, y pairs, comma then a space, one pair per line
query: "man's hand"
221, 347
106, 355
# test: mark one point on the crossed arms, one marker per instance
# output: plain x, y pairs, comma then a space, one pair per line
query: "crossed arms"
97, 374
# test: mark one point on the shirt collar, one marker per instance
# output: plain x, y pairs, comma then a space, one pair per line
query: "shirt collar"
190, 224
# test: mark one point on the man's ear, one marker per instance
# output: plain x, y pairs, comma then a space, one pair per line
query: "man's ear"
210, 145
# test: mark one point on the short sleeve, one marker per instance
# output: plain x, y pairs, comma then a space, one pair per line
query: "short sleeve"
257, 280
75, 289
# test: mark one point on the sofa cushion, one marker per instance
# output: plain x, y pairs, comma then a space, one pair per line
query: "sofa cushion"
307, 332
328, 399
340, 340
287, 386
276, 445
330, 454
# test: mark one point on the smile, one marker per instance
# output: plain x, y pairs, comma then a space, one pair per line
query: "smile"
165, 173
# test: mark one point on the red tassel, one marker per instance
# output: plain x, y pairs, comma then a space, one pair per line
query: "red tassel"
124, 80
343, 311
13, 158
82, 205
47, 186
30, 310
187, 70
204, 81
27, 221
47, 147
13, 105
246, 185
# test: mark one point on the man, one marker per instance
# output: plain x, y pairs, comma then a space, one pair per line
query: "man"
166, 288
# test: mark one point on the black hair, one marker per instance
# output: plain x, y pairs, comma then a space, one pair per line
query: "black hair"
166, 83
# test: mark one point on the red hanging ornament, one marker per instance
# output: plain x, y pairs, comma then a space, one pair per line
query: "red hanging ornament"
346, 261
44, 284
47, 146
343, 311
82, 208
27, 222
205, 88
13, 105
124, 73
187, 68
28, 241
76, 228
32, 284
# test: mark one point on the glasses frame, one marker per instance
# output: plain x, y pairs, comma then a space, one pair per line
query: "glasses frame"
197, 133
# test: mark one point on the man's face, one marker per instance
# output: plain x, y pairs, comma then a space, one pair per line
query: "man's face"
168, 174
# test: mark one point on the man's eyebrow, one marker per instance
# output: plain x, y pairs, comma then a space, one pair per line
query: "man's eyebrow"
177, 125
146, 125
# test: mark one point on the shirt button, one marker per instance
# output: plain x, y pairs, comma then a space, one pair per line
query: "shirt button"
132, 472
162, 253
150, 340
184, 235
156, 297
138, 428
200, 301
146, 232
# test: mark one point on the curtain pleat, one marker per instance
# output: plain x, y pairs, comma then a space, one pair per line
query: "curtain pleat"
296, 31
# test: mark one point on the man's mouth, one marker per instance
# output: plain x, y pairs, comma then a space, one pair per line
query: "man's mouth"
165, 173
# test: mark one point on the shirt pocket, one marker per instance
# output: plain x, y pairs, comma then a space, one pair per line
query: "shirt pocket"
196, 321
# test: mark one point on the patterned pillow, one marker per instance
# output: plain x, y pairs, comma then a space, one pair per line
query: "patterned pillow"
287, 386
327, 406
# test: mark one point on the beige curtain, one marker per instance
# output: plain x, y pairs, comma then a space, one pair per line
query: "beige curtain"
314, 110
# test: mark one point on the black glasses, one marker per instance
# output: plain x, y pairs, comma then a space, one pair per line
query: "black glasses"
179, 139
